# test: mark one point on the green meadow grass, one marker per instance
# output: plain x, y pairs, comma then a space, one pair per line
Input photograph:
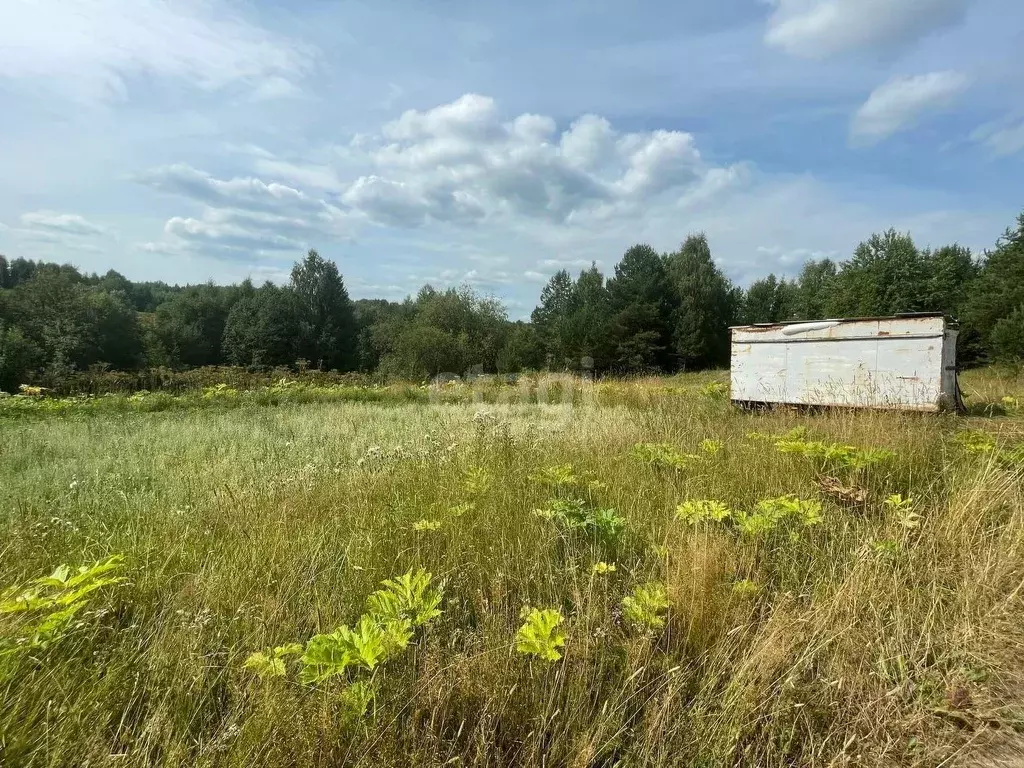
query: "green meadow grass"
871, 637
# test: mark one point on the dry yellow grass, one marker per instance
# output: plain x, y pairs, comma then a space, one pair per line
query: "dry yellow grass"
857, 641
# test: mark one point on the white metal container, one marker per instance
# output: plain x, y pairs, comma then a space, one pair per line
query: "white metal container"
905, 362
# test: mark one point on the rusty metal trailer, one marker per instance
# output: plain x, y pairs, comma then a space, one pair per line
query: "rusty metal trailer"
903, 362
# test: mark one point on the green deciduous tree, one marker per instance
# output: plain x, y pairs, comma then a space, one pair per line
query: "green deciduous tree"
263, 328
189, 327
812, 297
886, 276
329, 336
453, 332
19, 357
769, 300
995, 304
521, 351
69, 325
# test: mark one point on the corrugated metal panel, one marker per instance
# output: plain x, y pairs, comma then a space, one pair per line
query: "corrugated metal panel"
898, 362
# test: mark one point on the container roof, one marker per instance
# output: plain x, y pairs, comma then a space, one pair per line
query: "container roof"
900, 316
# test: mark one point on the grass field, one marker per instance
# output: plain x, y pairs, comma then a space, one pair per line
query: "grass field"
856, 597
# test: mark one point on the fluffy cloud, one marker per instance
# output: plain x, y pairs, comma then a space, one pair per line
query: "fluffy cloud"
245, 192
90, 49
462, 194
899, 103
821, 28
457, 165
462, 162
229, 235
245, 213
61, 223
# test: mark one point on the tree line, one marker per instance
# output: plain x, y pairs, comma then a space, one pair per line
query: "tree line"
655, 312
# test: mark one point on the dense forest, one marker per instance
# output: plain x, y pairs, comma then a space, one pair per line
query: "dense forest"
655, 312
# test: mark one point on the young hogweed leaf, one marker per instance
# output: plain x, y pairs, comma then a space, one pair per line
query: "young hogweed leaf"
703, 510
745, 589
367, 643
754, 524
477, 480
356, 699
570, 513
903, 510
50, 603
426, 525
560, 475
330, 655
833, 455
326, 656
711, 447
806, 511
715, 390
265, 666
663, 455
540, 636
645, 608
406, 597
975, 441
606, 524
272, 662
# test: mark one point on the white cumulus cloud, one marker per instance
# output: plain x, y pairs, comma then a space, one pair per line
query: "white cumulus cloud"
463, 162
822, 28
899, 103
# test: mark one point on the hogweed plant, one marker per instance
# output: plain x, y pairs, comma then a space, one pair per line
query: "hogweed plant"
807, 512
394, 613
38, 614
540, 635
702, 511
832, 457
711, 447
559, 476
662, 456
271, 663
604, 525
745, 589
771, 514
766, 516
363, 646
476, 480
646, 607
975, 441
426, 525
903, 511
407, 597
715, 390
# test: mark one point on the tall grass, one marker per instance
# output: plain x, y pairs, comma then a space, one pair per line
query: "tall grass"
863, 640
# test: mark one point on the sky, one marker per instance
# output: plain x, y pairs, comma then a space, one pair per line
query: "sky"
491, 143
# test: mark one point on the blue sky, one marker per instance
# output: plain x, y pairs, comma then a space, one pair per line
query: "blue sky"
493, 143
